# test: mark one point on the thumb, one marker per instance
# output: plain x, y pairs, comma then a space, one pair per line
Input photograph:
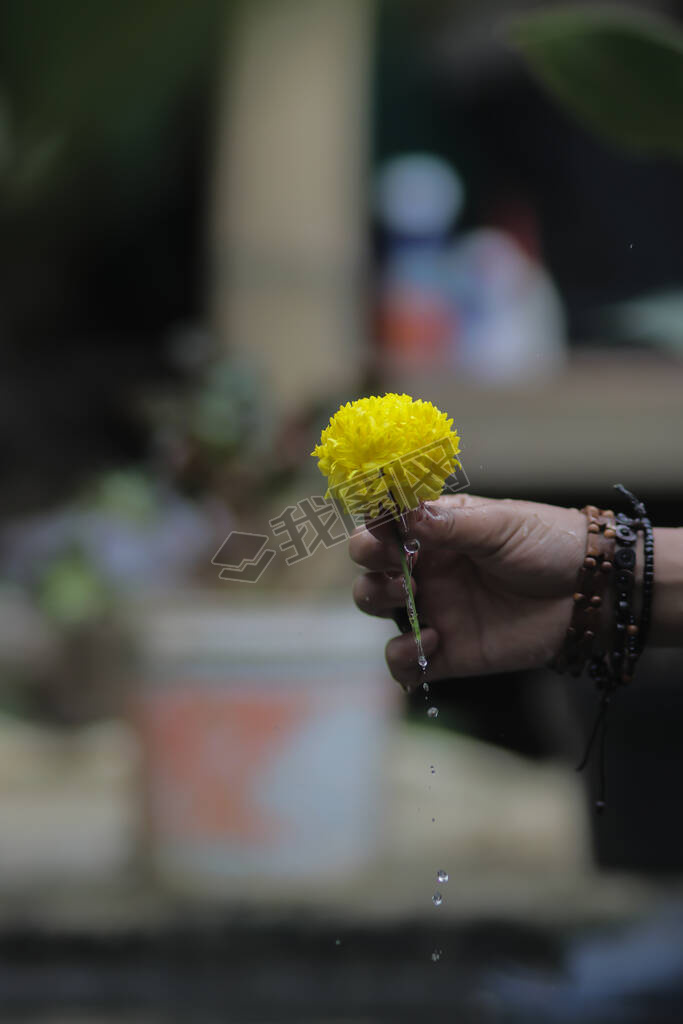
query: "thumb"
478, 527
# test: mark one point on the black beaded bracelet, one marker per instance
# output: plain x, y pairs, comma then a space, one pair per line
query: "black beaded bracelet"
642, 521
616, 666
624, 653
648, 582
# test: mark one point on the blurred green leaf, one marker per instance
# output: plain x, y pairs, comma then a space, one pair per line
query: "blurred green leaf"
224, 414
72, 592
127, 495
107, 79
620, 72
25, 162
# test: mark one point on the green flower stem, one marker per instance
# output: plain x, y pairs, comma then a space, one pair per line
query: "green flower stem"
410, 605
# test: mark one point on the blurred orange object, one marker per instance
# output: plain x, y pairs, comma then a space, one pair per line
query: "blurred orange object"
209, 751
415, 325
262, 731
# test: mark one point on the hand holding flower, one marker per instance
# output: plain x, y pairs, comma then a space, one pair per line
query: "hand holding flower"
494, 583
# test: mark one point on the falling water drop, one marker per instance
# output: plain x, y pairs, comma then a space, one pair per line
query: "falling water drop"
432, 712
442, 877
411, 548
432, 769
437, 899
436, 955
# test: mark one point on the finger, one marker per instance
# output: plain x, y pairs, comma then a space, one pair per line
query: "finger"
372, 553
387, 528
478, 527
401, 656
376, 545
377, 593
391, 529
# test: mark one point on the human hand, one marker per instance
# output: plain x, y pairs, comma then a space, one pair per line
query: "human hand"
493, 583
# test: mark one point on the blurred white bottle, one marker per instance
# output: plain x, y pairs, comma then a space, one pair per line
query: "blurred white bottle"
512, 324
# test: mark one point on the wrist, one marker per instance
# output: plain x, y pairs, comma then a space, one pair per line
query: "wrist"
667, 600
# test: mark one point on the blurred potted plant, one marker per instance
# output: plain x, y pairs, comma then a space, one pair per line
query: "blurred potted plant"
78, 563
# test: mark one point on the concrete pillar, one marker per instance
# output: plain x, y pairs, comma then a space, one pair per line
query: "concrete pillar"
287, 229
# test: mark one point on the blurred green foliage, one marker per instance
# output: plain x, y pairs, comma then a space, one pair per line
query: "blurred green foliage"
127, 495
619, 71
97, 102
72, 592
107, 120
100, 80
226, 413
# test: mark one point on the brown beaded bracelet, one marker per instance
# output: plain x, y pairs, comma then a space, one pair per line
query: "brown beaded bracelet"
583, 639
610, 556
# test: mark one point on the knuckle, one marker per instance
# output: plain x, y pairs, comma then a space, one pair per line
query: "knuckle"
355, 549
362, 550
360, 591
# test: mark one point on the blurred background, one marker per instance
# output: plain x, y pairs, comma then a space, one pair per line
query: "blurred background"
220, 220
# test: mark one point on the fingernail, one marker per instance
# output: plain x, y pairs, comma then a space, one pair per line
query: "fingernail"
431, 511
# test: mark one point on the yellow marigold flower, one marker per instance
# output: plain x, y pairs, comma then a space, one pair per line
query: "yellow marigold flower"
387, 453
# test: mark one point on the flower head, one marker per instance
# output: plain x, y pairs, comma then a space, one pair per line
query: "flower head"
387, 454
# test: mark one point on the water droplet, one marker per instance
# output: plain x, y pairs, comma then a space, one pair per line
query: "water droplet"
436, 955
432, 712
433, 820
337, 942
411, 548
630, 245
422, 662
425, 686
437, 899
442, 877
432, 769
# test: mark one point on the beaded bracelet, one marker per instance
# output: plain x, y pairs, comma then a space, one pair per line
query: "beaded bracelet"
582, 640
642, 522
615, 667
